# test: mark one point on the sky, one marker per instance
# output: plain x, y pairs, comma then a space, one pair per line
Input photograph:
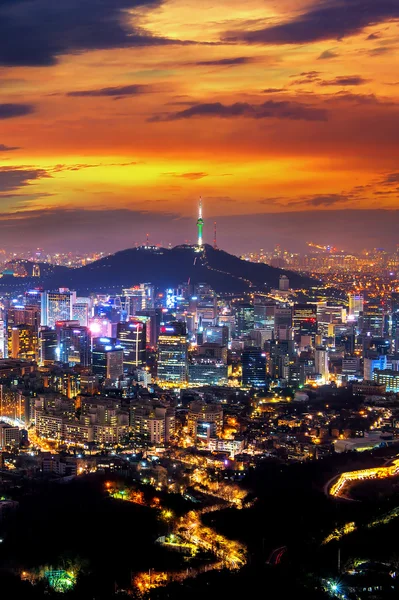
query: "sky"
116, 115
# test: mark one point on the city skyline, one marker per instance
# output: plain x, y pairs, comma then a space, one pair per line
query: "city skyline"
282, 116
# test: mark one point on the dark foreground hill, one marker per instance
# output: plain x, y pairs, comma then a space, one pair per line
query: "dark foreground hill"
163, 268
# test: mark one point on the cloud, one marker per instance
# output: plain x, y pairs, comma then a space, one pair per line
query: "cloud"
326, 200
118, 91
14, 178
192, 176
9, 111
364, 99
4, 148
346, 80
327, 54
227, 62
267, 110
273, 90
331, 19
391, 178
36, 33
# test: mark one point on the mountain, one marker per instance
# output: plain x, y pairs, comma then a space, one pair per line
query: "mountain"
169, 268
159, 266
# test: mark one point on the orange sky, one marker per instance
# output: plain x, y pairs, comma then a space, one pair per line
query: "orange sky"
219, 106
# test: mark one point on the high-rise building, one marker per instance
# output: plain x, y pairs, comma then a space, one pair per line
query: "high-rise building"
57, 306
356, 304
254, 368
282, 318
321, 362
132, 337
284, 283
81, 311
304, 319
48, 345
137, 298
245, 319
3, 339
21, 315
172, 353
395, 317
107, 358
216, 335
74, 343
372, 362
372, 319
208, 371
23, 342
281, 358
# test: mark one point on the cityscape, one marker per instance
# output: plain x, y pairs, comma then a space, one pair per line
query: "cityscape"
199, 299
200, 404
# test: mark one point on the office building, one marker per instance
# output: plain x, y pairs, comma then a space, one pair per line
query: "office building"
208, 372
373, 362
356, 305
23, 342
137, 298
321, 363
254, 368
245, 319
372, 319
216, 335
56, 306
74, 344
107, 358
387, 378
48, 346
132, 337
284, 283
172, 358
16, 316
282, 318
81, 311
304, 320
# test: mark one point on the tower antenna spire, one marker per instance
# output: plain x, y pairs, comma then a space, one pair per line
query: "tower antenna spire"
200, 224
215, 245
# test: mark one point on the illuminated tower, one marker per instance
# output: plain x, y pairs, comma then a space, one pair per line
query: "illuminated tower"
200, 223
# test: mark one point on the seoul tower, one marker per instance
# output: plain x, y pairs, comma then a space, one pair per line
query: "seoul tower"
200, 223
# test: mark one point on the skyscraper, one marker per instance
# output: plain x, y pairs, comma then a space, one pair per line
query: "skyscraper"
23, 342
21, 315
356, 302
172, 353
245, 319
373, 319
74, 345
107, 357
57, 306
304, 319
132, 337
254, 368
321, 362
48, 344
